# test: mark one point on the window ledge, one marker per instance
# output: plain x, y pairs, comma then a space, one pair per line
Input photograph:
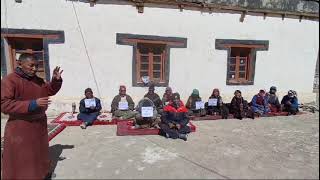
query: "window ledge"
158, 84
240, 83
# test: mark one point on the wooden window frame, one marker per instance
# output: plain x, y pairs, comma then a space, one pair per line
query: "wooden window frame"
169, 42
47, 37
254, 46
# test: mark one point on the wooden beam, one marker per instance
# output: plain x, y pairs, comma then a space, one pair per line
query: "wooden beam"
264, 16
243, 46
283, 16
153, 42
35, 36
140, 7
18, 1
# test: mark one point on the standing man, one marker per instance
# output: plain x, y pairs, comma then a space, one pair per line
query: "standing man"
25, 98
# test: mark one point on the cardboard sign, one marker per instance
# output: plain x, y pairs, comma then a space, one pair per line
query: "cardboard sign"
146, 111
90, 102
199, 105
213, 102
123, 105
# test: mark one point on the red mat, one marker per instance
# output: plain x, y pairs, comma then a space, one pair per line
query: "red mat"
209, 117
125, 128
54, 129
71, 120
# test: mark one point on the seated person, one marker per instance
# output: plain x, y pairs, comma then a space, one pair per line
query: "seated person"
89, 108
259, 104
239, 107
122, 105
290, 103
191, 104
146, 120
154, 97
215, 105
167, 96
174, 120
273, 100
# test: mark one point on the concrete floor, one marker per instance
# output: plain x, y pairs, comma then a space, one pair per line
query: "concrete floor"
265, 148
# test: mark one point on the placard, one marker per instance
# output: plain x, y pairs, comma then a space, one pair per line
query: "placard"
213, 102
123, 105
146, 111
90, 102
199, 105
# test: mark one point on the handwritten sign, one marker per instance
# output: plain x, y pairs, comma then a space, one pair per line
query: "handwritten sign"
90, 102
123, 105
199, 105
213, 102
146, 111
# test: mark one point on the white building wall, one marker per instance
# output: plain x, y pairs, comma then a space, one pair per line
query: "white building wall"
288, 64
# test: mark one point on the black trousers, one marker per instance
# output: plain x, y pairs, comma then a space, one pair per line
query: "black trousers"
173, 132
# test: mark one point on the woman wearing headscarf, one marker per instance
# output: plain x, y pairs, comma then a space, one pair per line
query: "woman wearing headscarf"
215, 105
191, 104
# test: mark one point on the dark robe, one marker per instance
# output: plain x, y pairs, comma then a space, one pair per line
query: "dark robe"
117, 99
290, 104
237, 111
156, 100
89, 115
220, 109
26, 144
175, 116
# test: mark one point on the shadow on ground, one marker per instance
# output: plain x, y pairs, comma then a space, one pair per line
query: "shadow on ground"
54, 152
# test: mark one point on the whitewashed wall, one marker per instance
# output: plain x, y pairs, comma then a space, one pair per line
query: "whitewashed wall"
289, 63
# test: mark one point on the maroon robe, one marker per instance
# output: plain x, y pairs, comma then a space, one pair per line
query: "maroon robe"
26, 147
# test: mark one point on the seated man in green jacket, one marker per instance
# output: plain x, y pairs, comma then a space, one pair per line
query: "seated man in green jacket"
122, 105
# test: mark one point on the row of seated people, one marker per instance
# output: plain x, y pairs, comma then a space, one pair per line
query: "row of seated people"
261, 104
174, 115
123, 107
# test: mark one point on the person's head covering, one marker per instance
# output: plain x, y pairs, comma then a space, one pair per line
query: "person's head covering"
168, 89
237, 91
88, 90
176, 96
122, 87
215, 90
151, 87
295, 93
26, 56
273, 88
195, 92
290, 93
262, 91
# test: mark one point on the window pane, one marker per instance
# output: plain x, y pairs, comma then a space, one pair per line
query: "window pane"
232, 68
232, 60
242, 68
143, 74
243, 60
157, 59
156, 67
242, 74
144, 58
144, 66
156, 75
231, 75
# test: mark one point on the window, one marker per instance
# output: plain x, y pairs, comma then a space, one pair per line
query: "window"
150, 62
239, 65
151, 56
241, 60
17, 46
14, 42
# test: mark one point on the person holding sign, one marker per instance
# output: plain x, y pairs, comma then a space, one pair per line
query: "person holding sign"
147, 113
174, 120
215, 106
89, 108
154, 97
239, 107
195, 104
25, 98
122, 105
